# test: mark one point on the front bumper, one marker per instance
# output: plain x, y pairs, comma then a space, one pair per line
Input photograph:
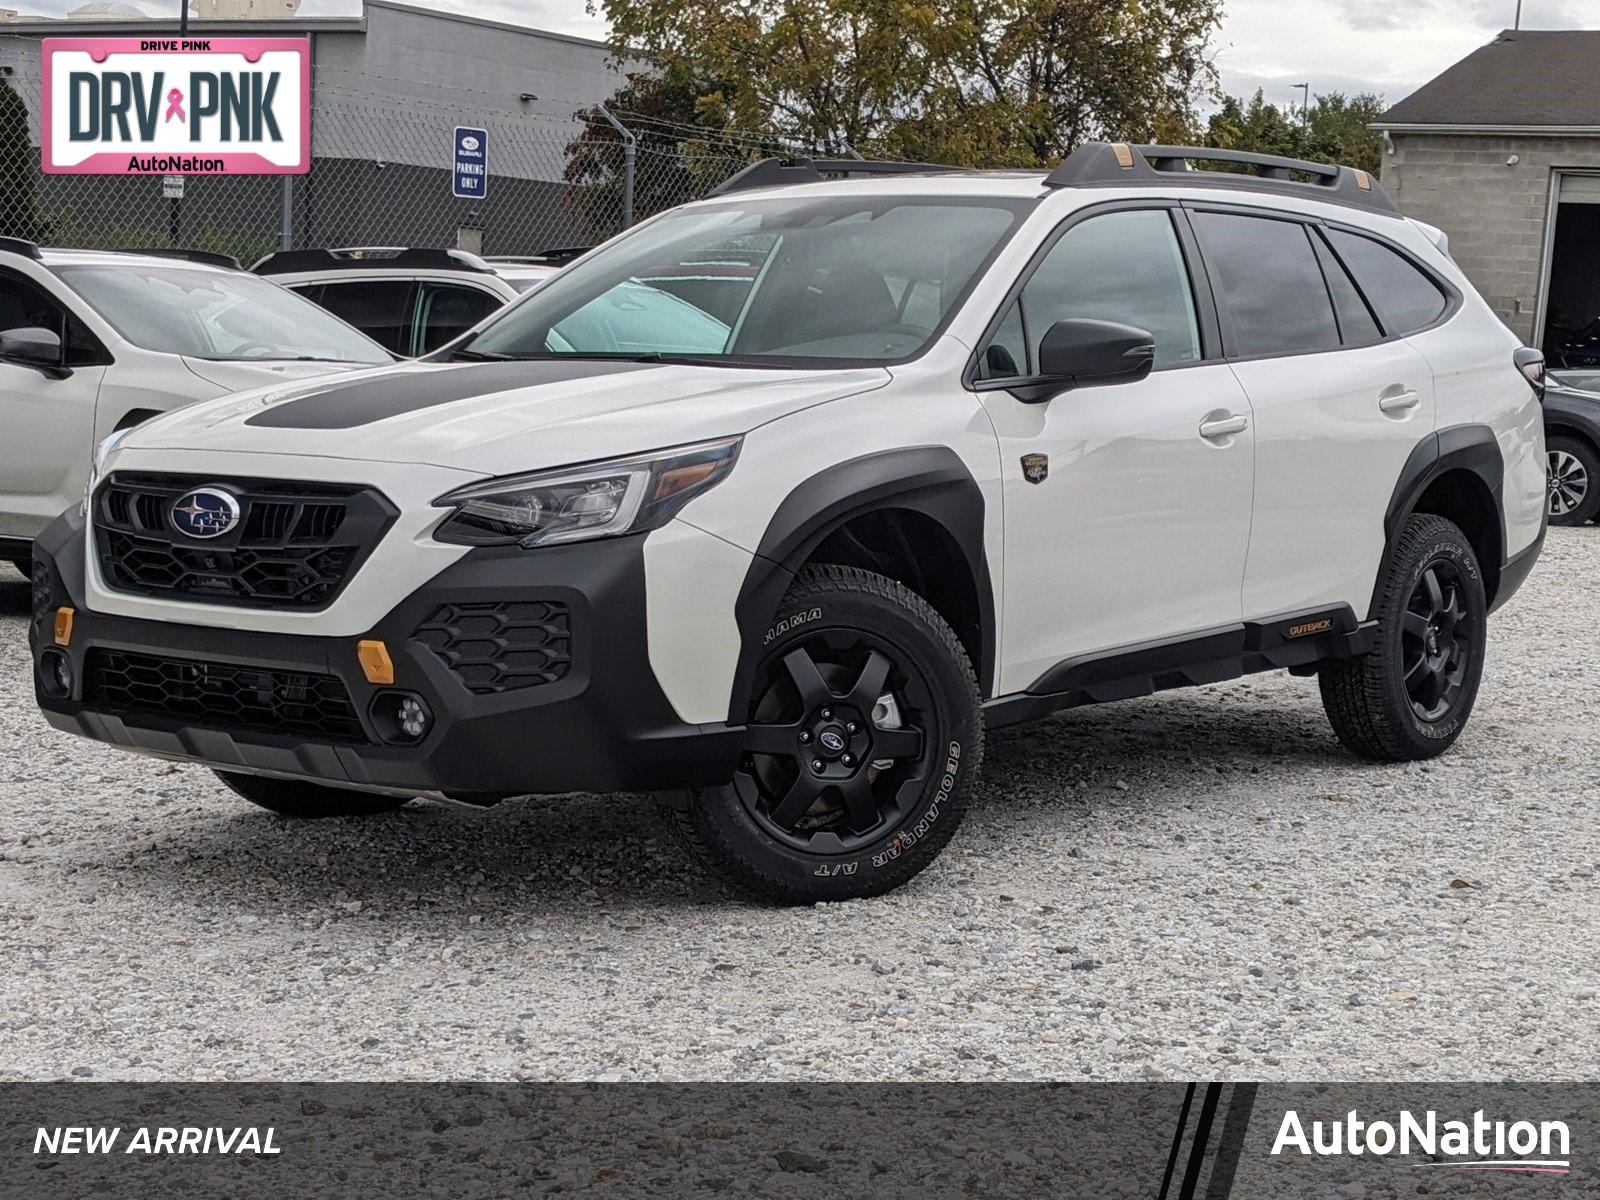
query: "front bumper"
603, 725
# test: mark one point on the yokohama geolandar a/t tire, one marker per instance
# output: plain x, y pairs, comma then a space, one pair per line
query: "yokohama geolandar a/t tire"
297, 798
863, 735
1411, 696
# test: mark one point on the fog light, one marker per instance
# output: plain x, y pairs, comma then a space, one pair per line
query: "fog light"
401, 717
55, 675
413, 717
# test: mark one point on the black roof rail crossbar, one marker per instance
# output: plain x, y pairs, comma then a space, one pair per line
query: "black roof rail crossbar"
20, 246
1098, 164
204, 257
286, 262
558, 256
780, 172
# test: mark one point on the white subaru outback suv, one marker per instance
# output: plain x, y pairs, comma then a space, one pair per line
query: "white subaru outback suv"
933, 451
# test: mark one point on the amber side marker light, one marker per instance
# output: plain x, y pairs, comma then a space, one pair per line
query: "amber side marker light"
1363, 181
375, 662
1124, 153
64, 617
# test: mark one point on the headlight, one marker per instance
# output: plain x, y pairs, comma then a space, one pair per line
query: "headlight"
625, 495
97, 466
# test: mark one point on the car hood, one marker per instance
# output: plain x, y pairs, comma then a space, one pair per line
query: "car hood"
237, 376
500, 418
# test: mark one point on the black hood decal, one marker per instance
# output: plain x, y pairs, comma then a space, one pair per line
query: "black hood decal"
363, 401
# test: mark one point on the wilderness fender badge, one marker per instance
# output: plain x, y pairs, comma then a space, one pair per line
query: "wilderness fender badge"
1035, 467
176, 106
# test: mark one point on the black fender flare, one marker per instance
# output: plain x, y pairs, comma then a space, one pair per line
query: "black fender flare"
930, 480
1471, 448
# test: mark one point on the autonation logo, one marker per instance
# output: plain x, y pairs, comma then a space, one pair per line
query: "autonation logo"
1476, 1145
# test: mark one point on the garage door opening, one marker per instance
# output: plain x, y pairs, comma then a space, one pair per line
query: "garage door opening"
1572, 310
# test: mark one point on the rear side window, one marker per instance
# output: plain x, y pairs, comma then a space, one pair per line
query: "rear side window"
1268, 284
380, 308
1356, 322
1405, 298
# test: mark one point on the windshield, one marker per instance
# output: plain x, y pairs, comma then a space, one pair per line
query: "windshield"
221, 315
803, 282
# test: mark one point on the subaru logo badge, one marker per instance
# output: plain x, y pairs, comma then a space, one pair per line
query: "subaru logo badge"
205, 513
831, 741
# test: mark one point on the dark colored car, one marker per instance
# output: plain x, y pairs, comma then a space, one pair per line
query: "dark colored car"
1572, 439
1581, 350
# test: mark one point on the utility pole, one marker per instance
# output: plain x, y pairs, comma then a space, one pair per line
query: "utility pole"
1518, 24
1305, 105
183, 18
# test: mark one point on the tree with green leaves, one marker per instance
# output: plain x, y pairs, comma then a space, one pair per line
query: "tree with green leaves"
19, 170
680, 153
966, 82
1334, 129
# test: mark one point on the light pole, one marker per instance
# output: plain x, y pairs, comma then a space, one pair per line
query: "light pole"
1518, 23
1305, 105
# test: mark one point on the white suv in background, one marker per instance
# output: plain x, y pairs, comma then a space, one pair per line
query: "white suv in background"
93, 341
411, 301
884, 460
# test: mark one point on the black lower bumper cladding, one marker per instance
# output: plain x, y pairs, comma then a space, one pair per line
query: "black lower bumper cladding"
534, 669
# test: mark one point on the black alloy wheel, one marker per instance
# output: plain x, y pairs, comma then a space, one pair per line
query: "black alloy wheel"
1438, 640
864, 729
837, 746
1411, 696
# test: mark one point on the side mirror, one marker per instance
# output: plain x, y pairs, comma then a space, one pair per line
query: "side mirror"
1084, 353
33, 347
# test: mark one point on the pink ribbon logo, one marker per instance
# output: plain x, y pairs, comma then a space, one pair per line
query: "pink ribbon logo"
175, 105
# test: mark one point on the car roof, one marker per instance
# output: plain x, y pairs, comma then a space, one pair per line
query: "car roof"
1015, 185
1093, 167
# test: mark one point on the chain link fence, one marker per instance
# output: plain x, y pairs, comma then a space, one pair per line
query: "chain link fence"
379, 177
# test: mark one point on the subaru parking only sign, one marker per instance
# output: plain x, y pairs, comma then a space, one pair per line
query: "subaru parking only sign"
472, 163
176, 106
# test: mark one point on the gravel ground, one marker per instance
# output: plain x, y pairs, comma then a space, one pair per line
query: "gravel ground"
1201, 884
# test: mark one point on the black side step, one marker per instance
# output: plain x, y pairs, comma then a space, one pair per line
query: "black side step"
1288, 642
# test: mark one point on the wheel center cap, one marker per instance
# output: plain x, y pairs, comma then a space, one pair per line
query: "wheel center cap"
832, 740
1433, 641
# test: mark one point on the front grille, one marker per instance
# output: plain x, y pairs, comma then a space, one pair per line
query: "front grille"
295, 545
501, 647
221, 695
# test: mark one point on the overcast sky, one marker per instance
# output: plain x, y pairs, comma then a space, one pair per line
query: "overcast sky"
1387, 46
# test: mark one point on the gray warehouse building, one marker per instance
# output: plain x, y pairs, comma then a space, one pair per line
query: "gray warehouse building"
388, 90
1502, 152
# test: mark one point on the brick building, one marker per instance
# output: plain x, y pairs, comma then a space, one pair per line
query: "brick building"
1502, 152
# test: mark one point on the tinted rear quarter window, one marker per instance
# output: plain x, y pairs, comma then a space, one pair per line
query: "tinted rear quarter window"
1268, 285
1356, 322
1405, 299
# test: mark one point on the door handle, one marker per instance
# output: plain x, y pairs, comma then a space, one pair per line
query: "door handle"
1399, 402
1221, 427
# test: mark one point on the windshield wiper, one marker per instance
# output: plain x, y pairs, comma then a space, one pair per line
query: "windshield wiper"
482, 356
